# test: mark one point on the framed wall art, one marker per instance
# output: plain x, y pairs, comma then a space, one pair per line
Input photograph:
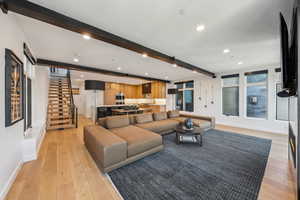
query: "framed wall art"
14, 100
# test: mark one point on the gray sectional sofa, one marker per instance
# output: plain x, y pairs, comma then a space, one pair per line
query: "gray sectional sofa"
120, 140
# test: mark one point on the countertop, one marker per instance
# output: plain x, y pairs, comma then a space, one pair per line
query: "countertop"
121, 105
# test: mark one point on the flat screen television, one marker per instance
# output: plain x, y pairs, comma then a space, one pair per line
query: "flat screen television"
288, 66
94, 85
293, 56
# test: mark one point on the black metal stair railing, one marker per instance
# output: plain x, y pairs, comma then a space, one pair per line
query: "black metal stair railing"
74, 109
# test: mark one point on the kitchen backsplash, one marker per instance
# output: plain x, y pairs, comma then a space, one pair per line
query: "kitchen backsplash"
146, 101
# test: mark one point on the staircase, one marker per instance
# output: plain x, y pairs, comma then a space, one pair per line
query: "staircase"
62, 112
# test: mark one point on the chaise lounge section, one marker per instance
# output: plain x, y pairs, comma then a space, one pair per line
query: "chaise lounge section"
120, 140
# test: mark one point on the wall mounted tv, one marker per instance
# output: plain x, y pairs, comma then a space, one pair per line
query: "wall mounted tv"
94, 85
289, 57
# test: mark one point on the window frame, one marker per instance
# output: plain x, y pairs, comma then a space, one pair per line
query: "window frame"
262, 83
184, 88
230, 86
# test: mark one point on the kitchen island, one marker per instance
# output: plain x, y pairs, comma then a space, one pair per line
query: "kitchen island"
110, 110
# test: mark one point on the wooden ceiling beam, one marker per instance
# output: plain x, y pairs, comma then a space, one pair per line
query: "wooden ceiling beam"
38, 12
51, 63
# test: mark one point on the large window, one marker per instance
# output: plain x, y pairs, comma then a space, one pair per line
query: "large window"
282, 105
230, 95
257, 92
185, 96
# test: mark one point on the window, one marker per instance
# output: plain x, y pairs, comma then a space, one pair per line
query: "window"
257, 94
185, 96
230, 95
282, 105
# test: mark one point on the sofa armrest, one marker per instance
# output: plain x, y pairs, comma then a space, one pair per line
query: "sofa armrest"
105, 147
211, 119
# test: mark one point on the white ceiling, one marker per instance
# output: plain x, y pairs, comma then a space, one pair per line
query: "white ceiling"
79, 77
249, 28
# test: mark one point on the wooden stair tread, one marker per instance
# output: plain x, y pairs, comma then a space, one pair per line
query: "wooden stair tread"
59, 92
60, 121
59, 95
54, 116
54, 110
59, 100
59, 87
61, 126
59, 104
59, 109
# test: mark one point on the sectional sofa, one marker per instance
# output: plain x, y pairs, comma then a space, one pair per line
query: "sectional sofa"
120, 140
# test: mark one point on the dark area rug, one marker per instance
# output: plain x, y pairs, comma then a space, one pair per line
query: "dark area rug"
227, 166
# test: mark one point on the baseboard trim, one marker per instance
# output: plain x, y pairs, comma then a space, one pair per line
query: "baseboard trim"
252, 129
109, 179
10, 181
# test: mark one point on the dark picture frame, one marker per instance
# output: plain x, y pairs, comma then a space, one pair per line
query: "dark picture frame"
14, 89
29, 104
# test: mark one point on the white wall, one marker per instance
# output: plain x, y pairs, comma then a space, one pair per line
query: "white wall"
208, 101
40, 86
10, 138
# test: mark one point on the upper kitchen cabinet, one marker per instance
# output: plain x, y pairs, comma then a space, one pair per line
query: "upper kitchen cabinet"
158, 90
155, 90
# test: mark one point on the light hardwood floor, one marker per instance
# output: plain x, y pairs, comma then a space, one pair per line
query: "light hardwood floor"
65, 171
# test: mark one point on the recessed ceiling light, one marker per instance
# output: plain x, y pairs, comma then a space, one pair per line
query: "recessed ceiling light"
146, 74
194, 71
200, 28
174, 65
119, 68
240, 63
81, 75
226, 50
76, 60
166, 77
85, 36
145, 55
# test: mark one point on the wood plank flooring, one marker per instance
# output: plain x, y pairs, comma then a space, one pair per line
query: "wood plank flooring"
65, 171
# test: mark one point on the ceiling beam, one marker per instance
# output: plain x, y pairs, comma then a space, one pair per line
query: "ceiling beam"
38, 12
51, 63
3, 6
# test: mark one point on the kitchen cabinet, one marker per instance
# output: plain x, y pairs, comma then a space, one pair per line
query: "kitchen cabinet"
158, 90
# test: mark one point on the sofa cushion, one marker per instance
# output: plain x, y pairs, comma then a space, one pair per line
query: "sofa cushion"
173, 113
117, 122
160, 126
105, 147
197, 122
160, 116
202, 123
144, 118
138, 140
